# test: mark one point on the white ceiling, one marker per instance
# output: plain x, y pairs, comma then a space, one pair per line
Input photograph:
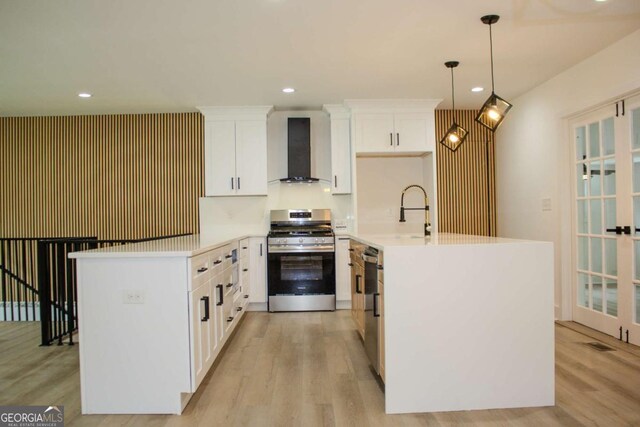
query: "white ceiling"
171, 55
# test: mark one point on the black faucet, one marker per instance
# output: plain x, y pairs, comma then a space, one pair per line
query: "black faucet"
427, 225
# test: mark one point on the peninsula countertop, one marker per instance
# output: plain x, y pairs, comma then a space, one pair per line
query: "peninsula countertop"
183, 246
382, 241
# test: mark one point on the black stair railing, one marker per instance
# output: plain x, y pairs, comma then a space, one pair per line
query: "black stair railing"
57, 284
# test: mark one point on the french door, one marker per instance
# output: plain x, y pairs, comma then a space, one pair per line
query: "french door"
606, 231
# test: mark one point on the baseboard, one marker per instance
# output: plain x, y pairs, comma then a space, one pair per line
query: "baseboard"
343, 305
257, 306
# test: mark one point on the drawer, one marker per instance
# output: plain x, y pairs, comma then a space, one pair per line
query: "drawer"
243, 248
227, 255
200, 268
216, 260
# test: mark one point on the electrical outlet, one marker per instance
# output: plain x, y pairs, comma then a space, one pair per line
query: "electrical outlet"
546, 204
133, 296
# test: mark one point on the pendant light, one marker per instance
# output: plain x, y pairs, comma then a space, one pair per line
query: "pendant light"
494, 108
456, 134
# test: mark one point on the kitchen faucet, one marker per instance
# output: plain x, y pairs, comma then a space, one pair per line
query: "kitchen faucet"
427, 225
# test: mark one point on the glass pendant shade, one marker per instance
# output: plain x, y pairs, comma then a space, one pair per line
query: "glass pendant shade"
455, 137
492, 112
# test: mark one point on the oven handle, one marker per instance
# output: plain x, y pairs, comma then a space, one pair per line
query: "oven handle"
288, 249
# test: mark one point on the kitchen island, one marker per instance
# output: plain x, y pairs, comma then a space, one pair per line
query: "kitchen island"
468, 322
154, 316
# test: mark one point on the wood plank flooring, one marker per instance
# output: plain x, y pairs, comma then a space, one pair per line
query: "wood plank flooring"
310, 369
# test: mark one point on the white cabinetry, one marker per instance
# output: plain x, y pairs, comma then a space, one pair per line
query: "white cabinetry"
235, 150
343, 273
340, 148
150, 356
258, 272
388, 127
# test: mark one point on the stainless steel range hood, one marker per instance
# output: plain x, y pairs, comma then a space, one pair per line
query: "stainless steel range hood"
299, 151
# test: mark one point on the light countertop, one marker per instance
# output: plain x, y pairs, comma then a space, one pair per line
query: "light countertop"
184, 246
382, 241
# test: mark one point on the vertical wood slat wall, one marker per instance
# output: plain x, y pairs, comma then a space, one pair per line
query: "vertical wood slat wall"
110, 176
466, 180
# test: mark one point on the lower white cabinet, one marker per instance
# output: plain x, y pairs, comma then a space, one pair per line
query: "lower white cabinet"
343, 273
258, 272
202, 333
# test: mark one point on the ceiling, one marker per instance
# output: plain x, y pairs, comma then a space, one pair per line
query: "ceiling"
139, 56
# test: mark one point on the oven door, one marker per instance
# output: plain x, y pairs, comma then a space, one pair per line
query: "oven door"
301, 273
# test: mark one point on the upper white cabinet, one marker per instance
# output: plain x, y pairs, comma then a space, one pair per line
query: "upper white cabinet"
340, 148
235, 150
388, 127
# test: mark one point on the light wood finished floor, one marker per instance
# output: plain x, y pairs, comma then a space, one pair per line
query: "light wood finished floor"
310, 369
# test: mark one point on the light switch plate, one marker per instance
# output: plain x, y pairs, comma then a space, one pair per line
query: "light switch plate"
546, 204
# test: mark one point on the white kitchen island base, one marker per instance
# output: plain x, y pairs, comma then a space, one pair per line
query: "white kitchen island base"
469, 323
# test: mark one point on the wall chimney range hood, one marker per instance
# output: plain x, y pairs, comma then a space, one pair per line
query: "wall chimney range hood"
299, 151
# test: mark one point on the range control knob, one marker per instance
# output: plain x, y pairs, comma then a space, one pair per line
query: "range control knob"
301, 240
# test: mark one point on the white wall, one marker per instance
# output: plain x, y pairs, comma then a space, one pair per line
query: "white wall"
228, 216
533, 146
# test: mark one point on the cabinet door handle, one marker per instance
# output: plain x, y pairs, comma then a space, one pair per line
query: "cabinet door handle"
229, 285
260, 249
229, 319
202, 270
244, 247
335, 181
232, 184
376, 313
358, 291
397, 142
218, 261
238, 178
220, 295
391, 139
239, 308
206, 308
246, 296
245, 269
228, 256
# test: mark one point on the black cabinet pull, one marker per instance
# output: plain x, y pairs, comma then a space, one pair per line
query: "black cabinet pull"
206, 308
391, 139
627, 341
229, 285
245, 269
620, 326
238, 178
220, 295
229, 319
397, 138
216, 262
232, 184
350, 264
227, 256
335, 180
246, 296
351, 249
617, 116
244, 247
239, 308
358, 291
623, 115
260, 249
376, 313
202, 270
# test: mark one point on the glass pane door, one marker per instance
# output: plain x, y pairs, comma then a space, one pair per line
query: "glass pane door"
606, 165
596, 254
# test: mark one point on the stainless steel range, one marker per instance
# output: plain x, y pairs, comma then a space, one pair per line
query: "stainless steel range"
301, 261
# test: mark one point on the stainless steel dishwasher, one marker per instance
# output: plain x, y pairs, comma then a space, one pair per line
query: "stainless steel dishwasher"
371, 307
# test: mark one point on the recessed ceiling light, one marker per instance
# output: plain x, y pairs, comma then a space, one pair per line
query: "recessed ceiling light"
84, 95
288, 90
601, 1
477, 89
